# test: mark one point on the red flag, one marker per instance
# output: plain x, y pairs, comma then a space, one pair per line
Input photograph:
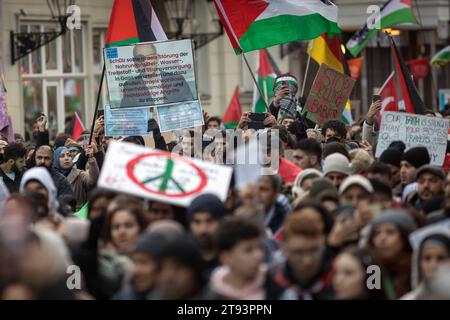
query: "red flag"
78, 127
354, 65
234, 111
265, 67
389, 99
419, 67
413, 102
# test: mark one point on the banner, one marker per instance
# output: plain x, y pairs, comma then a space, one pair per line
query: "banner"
329, 94
414, 130
355, 66
419, 67
160, 175
127, 122
150, 74
180, 116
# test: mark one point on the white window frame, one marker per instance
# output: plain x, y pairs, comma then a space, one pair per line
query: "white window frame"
58, 75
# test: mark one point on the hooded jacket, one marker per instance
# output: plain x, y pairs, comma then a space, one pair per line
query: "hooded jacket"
418, 285
262, 288
397, 272
43, 177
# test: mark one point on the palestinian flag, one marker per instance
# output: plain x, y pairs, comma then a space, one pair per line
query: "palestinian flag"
258, 24
413, 102
441, 58
133, 21
234, 111
328, 50
78, 127
266, 80
392, 13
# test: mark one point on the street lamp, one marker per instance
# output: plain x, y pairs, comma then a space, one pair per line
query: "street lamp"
23, 43
180, 11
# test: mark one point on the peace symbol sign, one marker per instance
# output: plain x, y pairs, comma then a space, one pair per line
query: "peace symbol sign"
166, 174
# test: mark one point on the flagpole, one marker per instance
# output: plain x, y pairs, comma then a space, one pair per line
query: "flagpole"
256, 82
307, 68
97, 104
266, 95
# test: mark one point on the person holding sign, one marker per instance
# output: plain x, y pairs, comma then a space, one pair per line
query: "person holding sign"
370, 125
286, 105
153, 85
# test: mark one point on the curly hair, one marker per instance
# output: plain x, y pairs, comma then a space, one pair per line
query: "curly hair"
337, 126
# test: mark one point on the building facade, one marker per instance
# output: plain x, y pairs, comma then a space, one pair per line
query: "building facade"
63, 76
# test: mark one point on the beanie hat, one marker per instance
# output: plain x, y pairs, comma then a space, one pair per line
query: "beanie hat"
185, 250
336, 162
401, 218
361, 161
151, 243
397, 145
417, 156
167, 227
304, 174
319, 185
207, 202
391, 156
358, 181
334, 147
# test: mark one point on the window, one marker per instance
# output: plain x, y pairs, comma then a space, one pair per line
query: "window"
54, 78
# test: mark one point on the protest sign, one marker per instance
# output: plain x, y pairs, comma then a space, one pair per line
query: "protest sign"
150, 74
414, 130
329, 94
180, 116
444, 98
127, 122
160, 175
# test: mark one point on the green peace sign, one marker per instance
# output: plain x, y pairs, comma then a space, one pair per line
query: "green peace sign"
165, 178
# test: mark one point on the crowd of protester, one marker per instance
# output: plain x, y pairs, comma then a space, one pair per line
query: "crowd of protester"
333, 222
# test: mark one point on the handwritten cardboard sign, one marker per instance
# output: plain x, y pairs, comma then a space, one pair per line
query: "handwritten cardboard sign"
329, 93
414, 130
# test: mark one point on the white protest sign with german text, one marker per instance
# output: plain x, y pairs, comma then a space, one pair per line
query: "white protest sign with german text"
127, 122
160, 175
414, 130
180, 116
150, 74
